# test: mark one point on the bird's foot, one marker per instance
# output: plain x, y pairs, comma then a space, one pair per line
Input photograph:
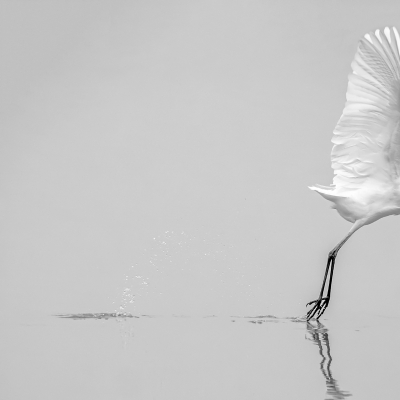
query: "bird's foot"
320, 305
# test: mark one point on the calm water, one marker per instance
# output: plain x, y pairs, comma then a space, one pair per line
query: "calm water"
101, 356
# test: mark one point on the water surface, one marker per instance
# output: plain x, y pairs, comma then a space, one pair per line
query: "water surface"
108, 356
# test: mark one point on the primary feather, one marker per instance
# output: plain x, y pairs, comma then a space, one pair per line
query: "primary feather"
366, 152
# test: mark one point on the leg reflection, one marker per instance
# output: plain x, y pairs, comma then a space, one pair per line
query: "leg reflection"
318, 334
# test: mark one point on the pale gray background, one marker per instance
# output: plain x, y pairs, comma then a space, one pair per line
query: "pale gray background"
166, 148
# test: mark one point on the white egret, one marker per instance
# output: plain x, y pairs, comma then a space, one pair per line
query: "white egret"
366, 152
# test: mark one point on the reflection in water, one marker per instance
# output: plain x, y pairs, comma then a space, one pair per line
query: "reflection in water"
319, 336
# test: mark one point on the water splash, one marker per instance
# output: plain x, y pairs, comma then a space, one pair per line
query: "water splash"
182, 273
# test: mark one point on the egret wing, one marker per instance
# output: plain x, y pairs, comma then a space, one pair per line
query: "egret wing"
367, 136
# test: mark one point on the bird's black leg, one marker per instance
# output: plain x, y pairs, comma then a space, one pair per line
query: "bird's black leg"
322, 302
330, 279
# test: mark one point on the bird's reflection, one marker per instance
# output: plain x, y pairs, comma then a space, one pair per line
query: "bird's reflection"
318, 334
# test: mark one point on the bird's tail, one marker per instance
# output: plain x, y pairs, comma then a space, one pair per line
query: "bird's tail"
328, 192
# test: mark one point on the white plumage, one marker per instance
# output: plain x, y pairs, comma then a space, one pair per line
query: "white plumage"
366, 152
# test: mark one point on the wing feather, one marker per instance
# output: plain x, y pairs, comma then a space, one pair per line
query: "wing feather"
367, 137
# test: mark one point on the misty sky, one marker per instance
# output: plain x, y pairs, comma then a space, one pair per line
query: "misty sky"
166, 148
